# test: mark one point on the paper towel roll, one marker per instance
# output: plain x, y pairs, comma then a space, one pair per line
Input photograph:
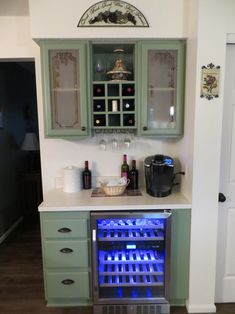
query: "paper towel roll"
72, 179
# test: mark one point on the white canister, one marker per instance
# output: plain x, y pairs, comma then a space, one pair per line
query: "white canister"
72, 179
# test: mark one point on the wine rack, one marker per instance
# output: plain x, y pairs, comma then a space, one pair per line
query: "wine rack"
113, 90
112, 106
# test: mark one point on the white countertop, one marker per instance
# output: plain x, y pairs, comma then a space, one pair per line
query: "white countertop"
57, 200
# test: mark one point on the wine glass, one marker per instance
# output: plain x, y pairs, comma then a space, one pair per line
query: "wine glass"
102, 143
127, 140
114, 142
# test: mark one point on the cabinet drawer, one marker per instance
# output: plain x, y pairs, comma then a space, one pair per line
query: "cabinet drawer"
66, 228
66, 253
68, 285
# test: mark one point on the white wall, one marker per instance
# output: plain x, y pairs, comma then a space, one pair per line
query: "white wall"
16, 41
164, 17
215, 19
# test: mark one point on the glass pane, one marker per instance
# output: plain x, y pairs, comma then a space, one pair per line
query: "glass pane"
65, 91
162, 83
133, 266
65, 113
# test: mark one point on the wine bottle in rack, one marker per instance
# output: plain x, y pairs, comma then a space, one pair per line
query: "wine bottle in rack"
128, 105
98, 90
99, 105
128, 90
99, 120
129, 120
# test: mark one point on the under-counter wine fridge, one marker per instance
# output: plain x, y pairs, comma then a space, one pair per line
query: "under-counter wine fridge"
131, 262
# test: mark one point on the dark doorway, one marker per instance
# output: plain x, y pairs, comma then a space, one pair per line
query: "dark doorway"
20, 171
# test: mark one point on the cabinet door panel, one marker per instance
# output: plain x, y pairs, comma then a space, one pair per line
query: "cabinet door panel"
64, 85
65, 229
68, 285
66, 253
66, 116
180, 247
65, 96
162, 90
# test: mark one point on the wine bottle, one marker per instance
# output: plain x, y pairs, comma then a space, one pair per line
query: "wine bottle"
128, 120
99, 120
134, 176
128, 90
99, 106
86, 177
124, 167
128, 105
98, 90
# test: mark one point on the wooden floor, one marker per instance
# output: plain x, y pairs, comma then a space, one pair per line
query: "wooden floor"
21, 282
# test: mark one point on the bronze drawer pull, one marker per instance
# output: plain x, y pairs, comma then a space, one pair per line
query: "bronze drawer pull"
67, 281
64, 230
66, 250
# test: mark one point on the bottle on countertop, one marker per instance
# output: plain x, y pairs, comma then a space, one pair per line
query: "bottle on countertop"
133, 176
125, 167
86, 177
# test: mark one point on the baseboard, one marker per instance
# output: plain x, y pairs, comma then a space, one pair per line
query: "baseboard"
202, 308
7, 233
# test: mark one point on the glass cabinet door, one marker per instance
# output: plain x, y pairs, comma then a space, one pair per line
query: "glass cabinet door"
65, 89
162, 89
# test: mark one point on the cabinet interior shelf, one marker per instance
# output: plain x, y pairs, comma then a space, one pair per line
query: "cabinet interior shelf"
65, 89
162, 89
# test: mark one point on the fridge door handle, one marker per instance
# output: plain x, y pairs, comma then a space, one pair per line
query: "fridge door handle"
93, 235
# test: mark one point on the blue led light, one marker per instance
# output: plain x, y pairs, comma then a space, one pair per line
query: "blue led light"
120, 292
134, 293
168, 161
130, 246
149, 293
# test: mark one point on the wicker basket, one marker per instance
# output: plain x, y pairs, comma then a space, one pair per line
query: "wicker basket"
114, 190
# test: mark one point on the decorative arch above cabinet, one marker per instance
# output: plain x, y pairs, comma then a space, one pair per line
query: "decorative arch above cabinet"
113, 85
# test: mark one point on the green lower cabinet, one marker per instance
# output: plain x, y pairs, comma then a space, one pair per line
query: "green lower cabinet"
67, 258
180, 248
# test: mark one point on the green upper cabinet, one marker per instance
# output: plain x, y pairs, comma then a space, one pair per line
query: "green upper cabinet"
64, 69
161, 88
136, 86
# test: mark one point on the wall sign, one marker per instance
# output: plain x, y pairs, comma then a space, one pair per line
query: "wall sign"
111, 13
210, 81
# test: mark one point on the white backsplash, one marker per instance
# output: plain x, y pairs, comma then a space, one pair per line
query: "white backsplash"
102, 163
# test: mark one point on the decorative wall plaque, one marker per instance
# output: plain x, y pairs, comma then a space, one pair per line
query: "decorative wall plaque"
210, 81
109, 13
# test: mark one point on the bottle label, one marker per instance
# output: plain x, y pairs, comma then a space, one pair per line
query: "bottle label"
124, 174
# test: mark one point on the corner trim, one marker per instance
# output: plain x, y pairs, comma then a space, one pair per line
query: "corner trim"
6, 234
202, 308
